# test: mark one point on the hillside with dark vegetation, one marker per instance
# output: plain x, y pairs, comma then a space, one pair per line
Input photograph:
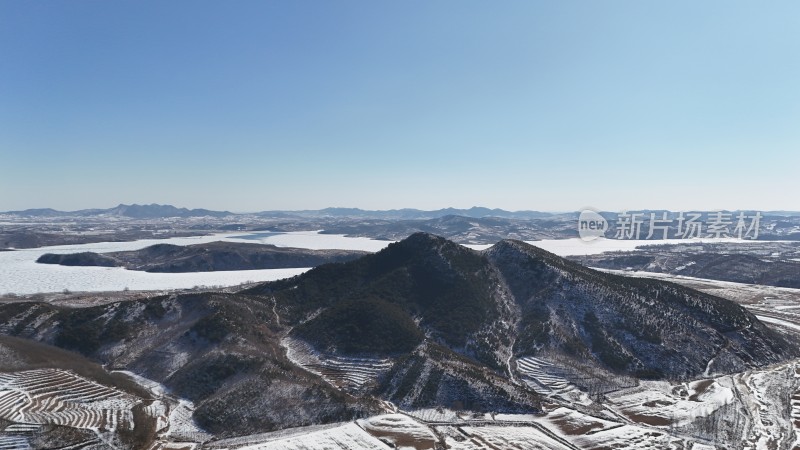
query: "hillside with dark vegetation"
448, 288
642, 327
372, 326
79, 259
217, 350
213, 256
517, 299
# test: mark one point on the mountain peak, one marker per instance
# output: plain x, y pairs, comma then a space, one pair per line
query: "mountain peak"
519, 252
439, 252
517, 299
423, 238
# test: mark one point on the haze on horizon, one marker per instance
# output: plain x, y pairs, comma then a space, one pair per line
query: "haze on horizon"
521, 105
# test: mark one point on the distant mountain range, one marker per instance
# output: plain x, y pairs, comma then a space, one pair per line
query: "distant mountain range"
411, 214
477, 225
154, 210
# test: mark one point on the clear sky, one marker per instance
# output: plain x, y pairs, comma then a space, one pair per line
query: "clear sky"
545, 105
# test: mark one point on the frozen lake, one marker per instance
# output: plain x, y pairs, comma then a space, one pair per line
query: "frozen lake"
20, 274
578, 247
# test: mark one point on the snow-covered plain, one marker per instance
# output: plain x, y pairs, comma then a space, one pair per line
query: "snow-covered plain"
20, 274
579, 247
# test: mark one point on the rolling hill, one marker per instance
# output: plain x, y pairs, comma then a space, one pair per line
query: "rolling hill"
515, 300
213, 256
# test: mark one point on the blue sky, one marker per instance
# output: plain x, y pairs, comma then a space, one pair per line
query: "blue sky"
255, 105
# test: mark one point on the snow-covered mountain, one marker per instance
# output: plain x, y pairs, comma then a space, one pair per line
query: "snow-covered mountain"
425, 324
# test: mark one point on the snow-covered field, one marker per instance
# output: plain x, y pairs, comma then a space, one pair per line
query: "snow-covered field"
51, 396
350, 374
348, 436
752, 410
20, 274
505, 437
660, 403
546, 379
35, 398
400, 430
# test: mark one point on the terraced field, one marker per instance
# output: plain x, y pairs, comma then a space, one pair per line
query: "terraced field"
39, 401
350, 374
57, 397
17, 436
550, 380
506, 438
348, 436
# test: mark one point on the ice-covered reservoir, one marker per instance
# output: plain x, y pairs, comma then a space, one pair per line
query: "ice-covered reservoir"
20, 274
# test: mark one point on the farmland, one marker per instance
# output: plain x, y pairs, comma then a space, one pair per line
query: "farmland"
350, 374
43, 405
749, 410
34, 400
